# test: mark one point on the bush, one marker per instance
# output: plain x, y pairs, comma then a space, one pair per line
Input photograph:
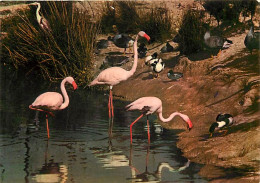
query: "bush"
128, 19
191, 32
66, 50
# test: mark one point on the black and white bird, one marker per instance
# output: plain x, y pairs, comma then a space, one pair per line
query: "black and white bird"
216, 42
222, 121
156, 64
252, 39
122, 41
44, 24
142, 50
167, 48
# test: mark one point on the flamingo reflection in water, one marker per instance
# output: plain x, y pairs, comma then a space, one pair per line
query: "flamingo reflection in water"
155, 176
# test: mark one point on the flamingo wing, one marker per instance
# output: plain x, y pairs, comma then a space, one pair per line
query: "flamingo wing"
111, 76
49, 100
145, 104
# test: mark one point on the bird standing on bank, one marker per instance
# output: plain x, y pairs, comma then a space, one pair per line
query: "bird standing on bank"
44, 24
222, 121
53, 101
114, 75
252, 40
156, 64
150, 105
122, 41
216, 42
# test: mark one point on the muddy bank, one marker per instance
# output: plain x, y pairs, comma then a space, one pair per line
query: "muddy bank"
227, 84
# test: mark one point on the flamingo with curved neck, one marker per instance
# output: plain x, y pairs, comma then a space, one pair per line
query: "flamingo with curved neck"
52, 101
150, 105
114, 75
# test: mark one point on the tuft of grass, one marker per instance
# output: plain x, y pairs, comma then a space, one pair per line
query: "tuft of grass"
66, 50
192, 30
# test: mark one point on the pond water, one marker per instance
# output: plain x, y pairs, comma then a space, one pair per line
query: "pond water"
80, 150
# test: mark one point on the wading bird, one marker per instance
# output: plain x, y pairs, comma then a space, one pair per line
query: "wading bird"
252, 39
52, 101
114, 75
222, 121
150, 105
44, 24
216, 42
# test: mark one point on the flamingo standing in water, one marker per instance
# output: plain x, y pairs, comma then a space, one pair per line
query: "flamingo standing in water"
150, 105
52, 101
114, 75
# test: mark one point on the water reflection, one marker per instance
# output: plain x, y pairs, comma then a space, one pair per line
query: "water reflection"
155, 176
82, 148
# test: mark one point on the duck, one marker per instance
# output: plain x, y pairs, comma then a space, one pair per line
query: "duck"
167, 48
142, 50
122, 41
174, 75
216, 42
252, 39
222, 121
157, 67
156, 64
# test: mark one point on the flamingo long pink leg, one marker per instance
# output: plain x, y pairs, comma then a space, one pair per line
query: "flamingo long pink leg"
36, 109
132, 126
109, 103
47, 126
112, 107
148, 130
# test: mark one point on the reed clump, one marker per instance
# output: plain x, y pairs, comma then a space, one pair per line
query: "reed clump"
65, 50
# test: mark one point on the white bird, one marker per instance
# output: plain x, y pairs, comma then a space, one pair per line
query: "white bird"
51, 101
150, 105
156, 64
114, 75
44, 24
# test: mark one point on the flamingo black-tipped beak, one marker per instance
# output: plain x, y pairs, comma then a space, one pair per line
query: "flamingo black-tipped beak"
75, 86
189, 125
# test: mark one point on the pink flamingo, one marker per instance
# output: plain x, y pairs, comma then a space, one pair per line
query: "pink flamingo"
149, 105
114, 75
52, 101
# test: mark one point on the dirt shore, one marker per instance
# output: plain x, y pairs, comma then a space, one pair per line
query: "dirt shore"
209, 87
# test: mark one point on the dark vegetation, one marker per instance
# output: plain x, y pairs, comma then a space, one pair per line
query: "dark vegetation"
67, 50
156, 22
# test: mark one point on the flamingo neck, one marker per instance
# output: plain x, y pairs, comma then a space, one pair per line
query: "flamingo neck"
65, 95
132, 71
37, 12
165, 120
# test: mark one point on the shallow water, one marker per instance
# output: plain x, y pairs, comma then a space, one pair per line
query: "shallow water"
80, 150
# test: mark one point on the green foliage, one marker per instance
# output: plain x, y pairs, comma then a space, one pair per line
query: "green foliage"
192, 30
66, 50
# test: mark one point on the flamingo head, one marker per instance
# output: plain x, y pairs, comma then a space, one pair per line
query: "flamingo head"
143, 34
71, 81
189, 124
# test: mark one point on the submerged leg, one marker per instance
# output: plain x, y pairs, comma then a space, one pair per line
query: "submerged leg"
47, 126
148, 130
132, 126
